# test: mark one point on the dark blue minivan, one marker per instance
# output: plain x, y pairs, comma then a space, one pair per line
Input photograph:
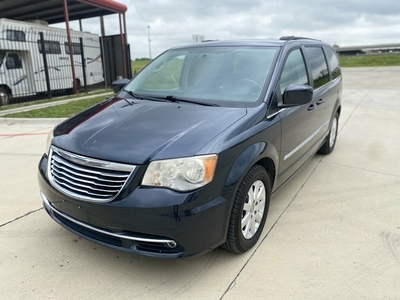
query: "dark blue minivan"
186, 156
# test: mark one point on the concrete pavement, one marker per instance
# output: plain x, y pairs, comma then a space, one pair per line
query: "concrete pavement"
333, 232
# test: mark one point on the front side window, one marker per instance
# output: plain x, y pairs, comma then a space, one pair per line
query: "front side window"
319, 68
226, 76
294, 71
13, 61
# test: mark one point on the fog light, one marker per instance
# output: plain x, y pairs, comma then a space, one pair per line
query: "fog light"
171, 244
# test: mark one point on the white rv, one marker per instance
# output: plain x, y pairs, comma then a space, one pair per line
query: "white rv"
22, 71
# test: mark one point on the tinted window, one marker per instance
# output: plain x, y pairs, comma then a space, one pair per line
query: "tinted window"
76, 48
226, 76
333, 62
52, 47
13, 61
294, 71
15, 35
319, 68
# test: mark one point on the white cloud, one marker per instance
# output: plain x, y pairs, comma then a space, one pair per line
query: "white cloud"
172, 22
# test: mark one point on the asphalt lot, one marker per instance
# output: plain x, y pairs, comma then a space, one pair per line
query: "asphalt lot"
333, 232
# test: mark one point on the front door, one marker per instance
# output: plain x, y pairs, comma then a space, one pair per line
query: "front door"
297, 123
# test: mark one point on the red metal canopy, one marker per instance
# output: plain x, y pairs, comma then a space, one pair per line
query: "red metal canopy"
107, 5
52, 10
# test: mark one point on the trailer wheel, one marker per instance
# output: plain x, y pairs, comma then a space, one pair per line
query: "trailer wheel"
4, 96
78, 85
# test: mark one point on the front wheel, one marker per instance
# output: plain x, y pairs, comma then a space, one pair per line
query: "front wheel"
330, 141
249, 211
4, 96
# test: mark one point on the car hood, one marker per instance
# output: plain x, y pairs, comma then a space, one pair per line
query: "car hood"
117, 130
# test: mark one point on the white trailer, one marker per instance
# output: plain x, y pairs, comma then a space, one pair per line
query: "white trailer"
22, 71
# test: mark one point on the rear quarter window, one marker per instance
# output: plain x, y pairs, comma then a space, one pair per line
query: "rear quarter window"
318, 66
333, 62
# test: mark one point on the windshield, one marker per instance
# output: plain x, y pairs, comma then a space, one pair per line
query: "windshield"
226, 76
2, 54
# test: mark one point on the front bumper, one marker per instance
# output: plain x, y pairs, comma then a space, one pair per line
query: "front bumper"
147, 221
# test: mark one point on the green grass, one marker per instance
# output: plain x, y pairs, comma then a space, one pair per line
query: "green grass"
70, 109
138, 65
29, 103
387, 60
59, 111
168, 78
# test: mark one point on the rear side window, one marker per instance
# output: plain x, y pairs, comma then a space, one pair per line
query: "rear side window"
319, 68
333, 62
51, 47
76, 48
294, 71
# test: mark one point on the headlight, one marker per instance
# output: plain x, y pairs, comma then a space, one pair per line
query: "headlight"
181, 174
49, 139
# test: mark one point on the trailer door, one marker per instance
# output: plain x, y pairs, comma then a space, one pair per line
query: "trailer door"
16, 74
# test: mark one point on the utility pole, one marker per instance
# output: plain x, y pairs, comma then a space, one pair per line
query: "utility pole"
148, 31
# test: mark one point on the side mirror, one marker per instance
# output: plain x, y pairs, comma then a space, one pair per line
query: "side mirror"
119, 84
295, 95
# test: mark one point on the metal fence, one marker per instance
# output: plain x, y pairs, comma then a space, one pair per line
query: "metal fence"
35, 62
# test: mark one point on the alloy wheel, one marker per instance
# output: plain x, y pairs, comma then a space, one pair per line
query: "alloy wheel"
253, 209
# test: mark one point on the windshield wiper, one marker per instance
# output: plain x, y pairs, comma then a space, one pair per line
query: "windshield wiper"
169, 98
108, 99
134, 95
177, 100
140, 97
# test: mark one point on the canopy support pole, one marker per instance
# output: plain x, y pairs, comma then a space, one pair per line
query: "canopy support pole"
122, 45
71, 56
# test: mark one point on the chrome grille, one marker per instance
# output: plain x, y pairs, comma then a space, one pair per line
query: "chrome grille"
85, 178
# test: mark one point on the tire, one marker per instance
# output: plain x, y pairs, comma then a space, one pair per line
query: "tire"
78, 85
248, 217
330, 141
4, 96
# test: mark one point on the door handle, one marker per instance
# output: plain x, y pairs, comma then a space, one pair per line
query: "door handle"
311, 107
320, 101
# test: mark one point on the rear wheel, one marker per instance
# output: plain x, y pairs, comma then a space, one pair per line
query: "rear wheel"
249, 211
330, 142
78, 85
4, 96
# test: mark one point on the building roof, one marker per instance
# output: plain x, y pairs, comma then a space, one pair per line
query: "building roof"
52, 11
369, 47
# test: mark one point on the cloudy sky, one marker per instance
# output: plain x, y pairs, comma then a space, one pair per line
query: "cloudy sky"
173, 22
